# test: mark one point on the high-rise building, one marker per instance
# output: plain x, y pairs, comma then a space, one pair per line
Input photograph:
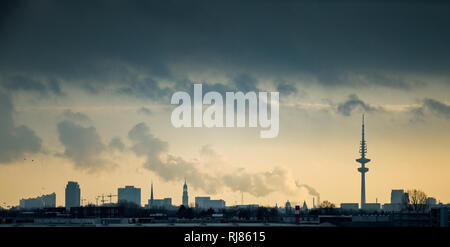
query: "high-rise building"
44, 201
73, 195
363, 169
129, 194
185, 195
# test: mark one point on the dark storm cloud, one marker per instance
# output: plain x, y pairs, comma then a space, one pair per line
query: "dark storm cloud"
15, 141
353, 102
336, 43
245, 83
146, 88
23, 83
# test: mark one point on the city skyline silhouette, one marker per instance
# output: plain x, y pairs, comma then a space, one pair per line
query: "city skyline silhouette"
85, 96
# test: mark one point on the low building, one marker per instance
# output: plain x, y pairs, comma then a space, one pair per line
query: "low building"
431, 201
44, 201
206, 203
372, 207
393, 207
350, 206
399, 201
247, 206
95, 212
165, 203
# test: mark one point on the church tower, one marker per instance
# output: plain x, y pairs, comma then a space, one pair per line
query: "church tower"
185, 195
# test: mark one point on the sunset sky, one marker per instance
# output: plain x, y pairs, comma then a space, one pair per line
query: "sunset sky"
85, 94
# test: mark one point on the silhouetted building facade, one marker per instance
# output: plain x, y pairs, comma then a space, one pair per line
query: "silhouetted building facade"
350, 206
129, 194
399, 201
73, 195
288, 208
44, 201
206, 203
165, 203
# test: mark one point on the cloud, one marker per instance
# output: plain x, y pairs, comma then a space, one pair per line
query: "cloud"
313, 192
171, 167
76, 116
286, 89
27, 84
146, 88
83, 145
208, 151
15, 141
145, 111
261, 184
144, 143
353, 102
116, 144
245, 83
418, 114
437, 107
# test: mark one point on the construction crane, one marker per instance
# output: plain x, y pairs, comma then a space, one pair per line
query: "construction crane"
102, 200
110, 197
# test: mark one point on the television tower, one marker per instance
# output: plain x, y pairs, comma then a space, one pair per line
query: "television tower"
363, 169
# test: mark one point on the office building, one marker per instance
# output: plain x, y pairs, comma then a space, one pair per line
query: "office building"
73, 195
129, 194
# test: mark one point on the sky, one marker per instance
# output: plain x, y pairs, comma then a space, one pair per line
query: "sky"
85, 91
